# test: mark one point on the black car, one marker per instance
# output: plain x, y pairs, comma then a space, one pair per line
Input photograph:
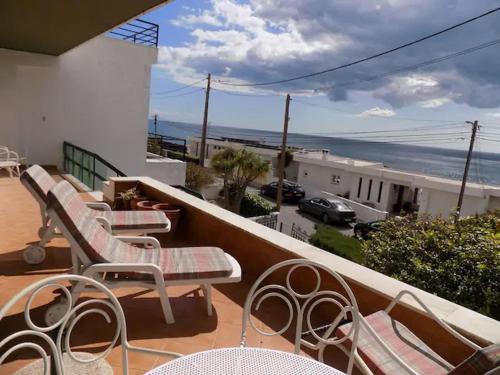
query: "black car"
328, 210
363, 230
292, 192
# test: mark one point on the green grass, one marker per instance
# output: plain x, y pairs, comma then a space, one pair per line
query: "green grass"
331, 240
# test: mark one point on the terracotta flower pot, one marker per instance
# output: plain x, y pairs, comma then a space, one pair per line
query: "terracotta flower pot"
146, 205
172, 212
135, 201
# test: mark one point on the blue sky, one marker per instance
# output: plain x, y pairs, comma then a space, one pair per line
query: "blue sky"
264, 40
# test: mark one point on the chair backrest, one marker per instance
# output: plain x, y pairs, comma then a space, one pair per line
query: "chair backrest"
56, 337
38, 182
73, 217
302, 305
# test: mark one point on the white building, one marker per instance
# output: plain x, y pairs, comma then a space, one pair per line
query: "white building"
390, 190
85, 88
267, 152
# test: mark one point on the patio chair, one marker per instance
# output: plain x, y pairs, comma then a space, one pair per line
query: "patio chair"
52, 343
116, 263
301, 307
39, 182
10, 161
386, 346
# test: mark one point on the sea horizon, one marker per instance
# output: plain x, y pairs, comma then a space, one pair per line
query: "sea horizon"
425, 159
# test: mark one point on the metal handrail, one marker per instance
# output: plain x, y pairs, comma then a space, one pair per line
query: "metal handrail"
163, 139
137, 33
70, 162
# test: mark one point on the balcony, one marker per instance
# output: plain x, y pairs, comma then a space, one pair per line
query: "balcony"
254, 246
137, 31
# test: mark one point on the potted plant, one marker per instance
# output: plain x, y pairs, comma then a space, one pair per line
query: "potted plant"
172, 212
130, 198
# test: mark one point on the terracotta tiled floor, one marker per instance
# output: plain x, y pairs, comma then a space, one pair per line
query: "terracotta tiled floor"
193, 330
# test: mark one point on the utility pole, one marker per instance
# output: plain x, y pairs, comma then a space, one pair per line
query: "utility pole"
475, 126
281, 167
205, 124
156, 121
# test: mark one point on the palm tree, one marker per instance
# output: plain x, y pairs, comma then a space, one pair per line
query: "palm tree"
238, 169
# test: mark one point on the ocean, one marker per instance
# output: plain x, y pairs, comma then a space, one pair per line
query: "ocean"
435, 161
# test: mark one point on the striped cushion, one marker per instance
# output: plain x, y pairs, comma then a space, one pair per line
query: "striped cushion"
101, 247
480, 362
39, 180
401, 341
141, 220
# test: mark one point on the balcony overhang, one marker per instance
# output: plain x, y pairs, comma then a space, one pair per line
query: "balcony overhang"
56, 26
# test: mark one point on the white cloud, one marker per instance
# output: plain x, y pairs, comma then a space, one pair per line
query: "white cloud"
493, 114
377, 111
267, 40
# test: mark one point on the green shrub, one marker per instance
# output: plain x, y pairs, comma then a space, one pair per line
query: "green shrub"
180, 156
254, 205
198, 177
459, 262
331, 240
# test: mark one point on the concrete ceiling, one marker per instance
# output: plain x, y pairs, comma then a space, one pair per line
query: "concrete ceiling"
53, 27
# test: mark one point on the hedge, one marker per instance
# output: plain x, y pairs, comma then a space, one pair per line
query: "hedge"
331, 240
254, 205
457, 261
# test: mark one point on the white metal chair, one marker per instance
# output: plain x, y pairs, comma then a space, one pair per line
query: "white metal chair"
301, 307
56, 337
10, 161
38, 182
116, 263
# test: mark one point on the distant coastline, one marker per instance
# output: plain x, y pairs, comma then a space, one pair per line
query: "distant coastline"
442, 162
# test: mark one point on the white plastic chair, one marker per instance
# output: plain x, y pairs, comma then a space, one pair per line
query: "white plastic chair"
10, 161
57, 335
301, 307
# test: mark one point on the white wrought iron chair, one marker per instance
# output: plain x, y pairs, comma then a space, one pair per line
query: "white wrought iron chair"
10, 161
56, 336
301, 307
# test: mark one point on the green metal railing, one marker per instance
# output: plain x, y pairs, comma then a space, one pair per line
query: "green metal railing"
88, 167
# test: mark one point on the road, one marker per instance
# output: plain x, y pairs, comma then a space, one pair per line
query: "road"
290, 215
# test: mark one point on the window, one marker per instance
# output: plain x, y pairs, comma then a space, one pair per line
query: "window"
359, 186
380, 186
335, 179
369, 190
415, 196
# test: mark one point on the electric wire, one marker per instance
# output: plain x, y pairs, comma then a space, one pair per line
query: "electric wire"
179, 88
182, 94
352, 63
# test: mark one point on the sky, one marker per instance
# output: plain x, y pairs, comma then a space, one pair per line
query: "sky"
253, 41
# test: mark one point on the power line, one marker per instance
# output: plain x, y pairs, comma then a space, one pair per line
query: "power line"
354, 113
178, 88
183, 94
412, 67
247, 95
419, 40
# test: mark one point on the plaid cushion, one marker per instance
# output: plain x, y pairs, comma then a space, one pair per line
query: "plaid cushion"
401, 341
480, 362
101, 247
141, 220
39, 180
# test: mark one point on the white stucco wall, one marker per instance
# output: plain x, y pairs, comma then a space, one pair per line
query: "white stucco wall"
436, 202
95, 96
317, 178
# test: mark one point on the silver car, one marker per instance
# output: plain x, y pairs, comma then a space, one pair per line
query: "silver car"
329, 210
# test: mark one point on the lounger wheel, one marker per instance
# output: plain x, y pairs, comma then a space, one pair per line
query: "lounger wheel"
41, 231
56, 312
34, 254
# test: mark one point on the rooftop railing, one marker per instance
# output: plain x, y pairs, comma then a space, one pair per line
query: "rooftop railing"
137, 31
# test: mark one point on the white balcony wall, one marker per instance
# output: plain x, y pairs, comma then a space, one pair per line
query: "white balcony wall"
95, 96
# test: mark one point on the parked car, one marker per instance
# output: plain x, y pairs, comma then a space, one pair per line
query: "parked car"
363, 230
292, 192
328, 210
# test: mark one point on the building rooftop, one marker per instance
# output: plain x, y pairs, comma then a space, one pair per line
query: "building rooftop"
255, 247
